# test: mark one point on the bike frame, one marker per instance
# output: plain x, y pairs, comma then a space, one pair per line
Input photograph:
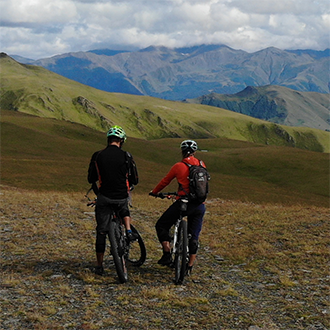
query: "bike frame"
183, 208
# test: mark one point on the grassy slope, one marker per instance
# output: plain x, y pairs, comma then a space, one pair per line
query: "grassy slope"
47, 154
34, 90
303, 108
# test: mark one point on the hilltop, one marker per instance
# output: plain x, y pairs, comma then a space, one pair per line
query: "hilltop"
37, 91
276, 104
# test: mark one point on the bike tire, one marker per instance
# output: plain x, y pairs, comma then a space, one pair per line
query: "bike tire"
117, 248
181, 255
137, 252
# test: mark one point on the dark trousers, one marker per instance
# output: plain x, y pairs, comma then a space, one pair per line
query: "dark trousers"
195, 214
103, 211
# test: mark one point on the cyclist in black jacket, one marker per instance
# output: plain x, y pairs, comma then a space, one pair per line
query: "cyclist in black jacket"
116, 173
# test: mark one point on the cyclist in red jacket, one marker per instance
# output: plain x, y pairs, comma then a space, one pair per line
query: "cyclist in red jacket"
195, 212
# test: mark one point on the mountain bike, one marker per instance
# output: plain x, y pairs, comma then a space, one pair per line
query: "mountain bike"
179, 243
122, 249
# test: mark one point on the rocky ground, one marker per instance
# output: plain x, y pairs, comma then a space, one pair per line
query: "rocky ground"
47, 280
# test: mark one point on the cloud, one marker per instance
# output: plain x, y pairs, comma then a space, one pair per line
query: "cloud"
33, 13
40, 28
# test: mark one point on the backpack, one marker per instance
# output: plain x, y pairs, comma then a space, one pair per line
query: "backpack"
198, 183
133, 177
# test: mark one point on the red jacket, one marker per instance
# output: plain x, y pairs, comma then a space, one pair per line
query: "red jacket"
180, 171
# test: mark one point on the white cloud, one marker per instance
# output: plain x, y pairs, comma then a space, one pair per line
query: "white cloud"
279, 7
41, 28
34, 12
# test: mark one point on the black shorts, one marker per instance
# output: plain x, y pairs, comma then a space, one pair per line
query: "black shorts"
104, 208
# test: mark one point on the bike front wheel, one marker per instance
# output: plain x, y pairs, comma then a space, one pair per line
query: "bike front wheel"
181, 255
118, 248
137, 251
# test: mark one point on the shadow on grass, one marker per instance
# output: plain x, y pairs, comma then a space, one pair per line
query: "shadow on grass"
83, 270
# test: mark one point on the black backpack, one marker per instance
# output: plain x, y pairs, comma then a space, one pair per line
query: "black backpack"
133, 177
198, 183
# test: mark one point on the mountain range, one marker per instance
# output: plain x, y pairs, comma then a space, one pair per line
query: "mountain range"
37, 91
185, 73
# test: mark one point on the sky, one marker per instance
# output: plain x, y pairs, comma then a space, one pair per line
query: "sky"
43, 28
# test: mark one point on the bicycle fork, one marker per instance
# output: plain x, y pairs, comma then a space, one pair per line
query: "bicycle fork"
175, 236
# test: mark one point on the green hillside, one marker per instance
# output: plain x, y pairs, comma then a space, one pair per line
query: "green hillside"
37, 91
47, 154
276, 104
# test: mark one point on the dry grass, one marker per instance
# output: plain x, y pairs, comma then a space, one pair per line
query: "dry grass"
259, 265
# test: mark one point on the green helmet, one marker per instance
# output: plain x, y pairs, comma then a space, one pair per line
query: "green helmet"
117, 131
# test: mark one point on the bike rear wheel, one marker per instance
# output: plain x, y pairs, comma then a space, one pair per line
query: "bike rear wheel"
181, 255
117, 249
137, 251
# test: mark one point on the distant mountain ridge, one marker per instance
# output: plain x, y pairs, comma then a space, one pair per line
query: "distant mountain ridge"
185, 73
276, 104
37, 91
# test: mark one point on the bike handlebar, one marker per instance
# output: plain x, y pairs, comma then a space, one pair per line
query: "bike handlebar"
91, 203
168, 195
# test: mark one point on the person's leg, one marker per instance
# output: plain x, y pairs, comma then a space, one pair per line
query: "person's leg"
100, 249
166, 245
124, 213
195, 222
127, 223
163, 226
165, 222
192, 258
99, 258
102, 215
131, 235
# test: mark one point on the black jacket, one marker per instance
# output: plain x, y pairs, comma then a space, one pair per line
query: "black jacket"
115, 170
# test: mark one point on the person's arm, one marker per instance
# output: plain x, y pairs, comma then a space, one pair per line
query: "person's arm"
92, 176
166, 180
